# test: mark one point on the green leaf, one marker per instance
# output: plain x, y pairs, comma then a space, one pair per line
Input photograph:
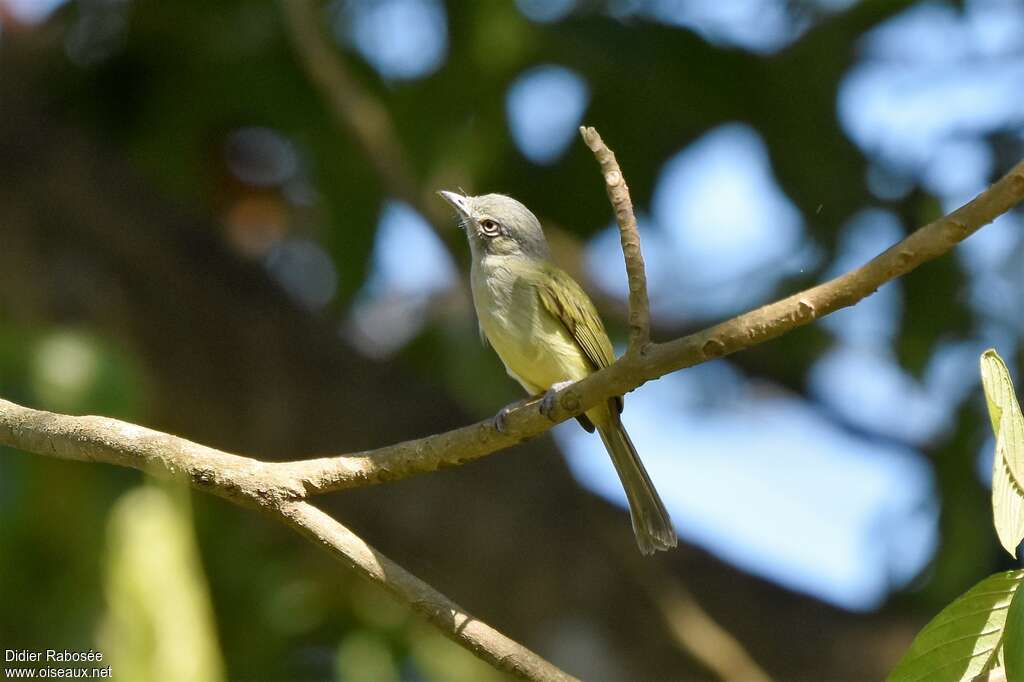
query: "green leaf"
1008, 465
965, 639
1013, 639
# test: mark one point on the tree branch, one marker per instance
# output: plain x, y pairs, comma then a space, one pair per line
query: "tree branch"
765, 323
281, 488
266, 486
629, 372
629, 236
238, 477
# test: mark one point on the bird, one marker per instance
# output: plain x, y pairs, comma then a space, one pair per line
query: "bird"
548, 334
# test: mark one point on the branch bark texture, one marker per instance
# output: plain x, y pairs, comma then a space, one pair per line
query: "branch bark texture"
629, 236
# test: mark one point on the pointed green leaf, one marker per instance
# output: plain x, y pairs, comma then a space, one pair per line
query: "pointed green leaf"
965, 639
1007, 501
1008, 465
1013, 639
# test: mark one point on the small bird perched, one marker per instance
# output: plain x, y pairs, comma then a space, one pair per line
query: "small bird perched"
548, 334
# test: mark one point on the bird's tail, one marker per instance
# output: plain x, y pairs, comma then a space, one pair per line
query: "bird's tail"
651, 523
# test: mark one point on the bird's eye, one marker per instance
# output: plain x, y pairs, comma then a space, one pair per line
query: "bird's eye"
489, 227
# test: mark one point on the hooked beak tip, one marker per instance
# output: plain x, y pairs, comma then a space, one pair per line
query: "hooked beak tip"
457, 201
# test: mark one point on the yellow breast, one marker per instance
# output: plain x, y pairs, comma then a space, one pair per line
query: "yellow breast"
535, 347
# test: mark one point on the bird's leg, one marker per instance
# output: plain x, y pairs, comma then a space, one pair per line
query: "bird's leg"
547, 404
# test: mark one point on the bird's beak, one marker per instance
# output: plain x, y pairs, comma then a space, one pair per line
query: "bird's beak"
457, 201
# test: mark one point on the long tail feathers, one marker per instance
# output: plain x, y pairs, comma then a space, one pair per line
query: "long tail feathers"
651, 522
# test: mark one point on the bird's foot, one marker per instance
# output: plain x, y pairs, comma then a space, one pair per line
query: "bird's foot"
499, 419
547, 403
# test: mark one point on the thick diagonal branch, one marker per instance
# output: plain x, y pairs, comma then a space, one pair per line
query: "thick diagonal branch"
269, 487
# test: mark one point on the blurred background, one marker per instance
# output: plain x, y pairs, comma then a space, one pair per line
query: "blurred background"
218, 219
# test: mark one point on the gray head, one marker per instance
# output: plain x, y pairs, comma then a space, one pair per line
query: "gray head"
499, 225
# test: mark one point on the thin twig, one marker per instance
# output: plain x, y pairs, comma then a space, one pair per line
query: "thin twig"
355, 109
267, 486
629, 235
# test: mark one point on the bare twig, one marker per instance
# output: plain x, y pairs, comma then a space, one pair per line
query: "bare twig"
269, 487
629, 235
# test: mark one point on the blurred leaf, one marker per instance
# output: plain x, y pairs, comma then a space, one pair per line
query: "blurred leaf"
1008, 425
965, 639
1013, 639
159, 624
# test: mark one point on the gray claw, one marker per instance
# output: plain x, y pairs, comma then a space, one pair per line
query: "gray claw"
499, 419
547, 404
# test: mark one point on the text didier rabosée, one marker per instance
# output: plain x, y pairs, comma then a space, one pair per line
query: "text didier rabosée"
52, 656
